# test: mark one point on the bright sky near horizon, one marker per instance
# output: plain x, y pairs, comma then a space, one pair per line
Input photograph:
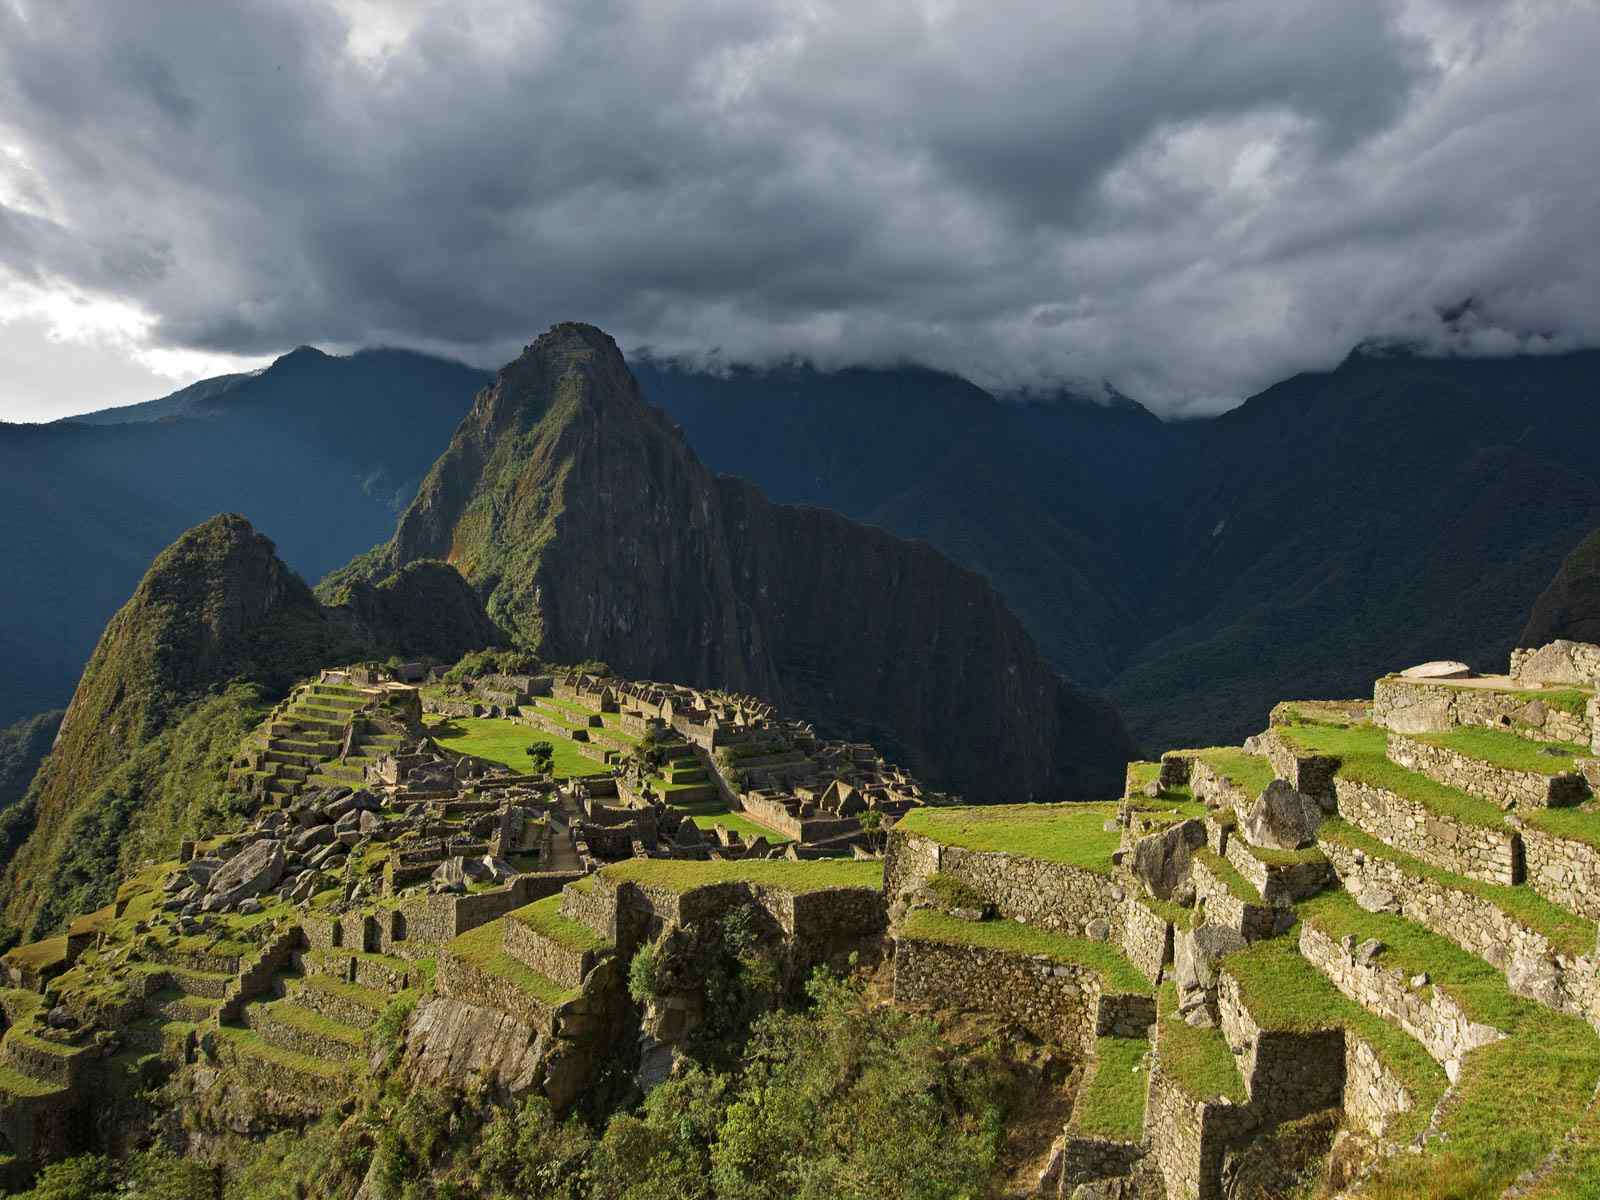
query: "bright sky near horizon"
1186, 200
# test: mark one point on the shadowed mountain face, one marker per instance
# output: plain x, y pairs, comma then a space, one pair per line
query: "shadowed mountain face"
323, 451
592, 530
1336, 526
1570, 606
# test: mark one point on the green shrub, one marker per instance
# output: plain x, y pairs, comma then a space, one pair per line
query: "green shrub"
642, 973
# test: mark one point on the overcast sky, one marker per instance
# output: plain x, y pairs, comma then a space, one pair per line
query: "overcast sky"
1188, 199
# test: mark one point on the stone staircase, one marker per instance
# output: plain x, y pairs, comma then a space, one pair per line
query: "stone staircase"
300, 743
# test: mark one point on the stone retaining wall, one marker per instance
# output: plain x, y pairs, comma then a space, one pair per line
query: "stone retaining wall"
592, 903
1061, 1002
1533, 965
1501, 785
1085, 1159
1309, 774
1251, 921
1373, 1095
1188, 1136
1427, 1013
1146, 939
1287, 1073
459, 978
1215, 789
1278, 885
567, 965
1563, 871
1420, 706
37, 1058
303, 1091
1492, 855
1046, 895
260, 1017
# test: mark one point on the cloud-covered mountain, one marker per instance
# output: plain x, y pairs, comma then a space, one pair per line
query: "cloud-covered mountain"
1191, 201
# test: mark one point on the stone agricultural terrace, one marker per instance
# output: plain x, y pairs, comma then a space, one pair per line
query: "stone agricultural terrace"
1356, 955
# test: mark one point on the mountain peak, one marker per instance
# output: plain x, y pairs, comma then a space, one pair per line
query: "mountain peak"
592, 531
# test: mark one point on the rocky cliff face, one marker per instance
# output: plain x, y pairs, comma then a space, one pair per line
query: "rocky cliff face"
592, 531
1570, 606
217, 607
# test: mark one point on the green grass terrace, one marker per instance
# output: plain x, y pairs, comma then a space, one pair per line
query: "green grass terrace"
507, 743
1013, 937
1072, 833
797, 877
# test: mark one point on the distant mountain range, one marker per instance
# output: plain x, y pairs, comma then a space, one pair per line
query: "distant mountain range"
321, 451
1337, 525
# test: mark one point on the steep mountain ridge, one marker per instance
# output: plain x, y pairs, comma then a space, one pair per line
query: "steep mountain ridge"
324, 451
218, 626
1570, 607
591, 529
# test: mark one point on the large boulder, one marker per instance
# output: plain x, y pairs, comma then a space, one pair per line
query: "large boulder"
487, 869
1197, 953
1161, 860
1558, 662
1281, 818
1438, 669
251, 872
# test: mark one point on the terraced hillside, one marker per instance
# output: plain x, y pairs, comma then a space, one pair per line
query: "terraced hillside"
1358, 952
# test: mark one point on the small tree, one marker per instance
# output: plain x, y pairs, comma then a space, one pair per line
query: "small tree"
544, 757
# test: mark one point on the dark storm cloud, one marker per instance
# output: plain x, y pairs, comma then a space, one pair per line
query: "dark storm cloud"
1187, 198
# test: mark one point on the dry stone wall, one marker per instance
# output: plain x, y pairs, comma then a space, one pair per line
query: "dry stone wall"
1046, 895
1420, 706
564, 964
1492, 855
1534, 967
1250, 921
1085, 1159
1309, 774
1146, 939
1563, 871
1501, 785
1427, 1013
1062, 1002
1287, 1074
1373, 1095
1189, 1135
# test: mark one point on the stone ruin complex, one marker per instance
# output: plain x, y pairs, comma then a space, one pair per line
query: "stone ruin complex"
1359, 947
